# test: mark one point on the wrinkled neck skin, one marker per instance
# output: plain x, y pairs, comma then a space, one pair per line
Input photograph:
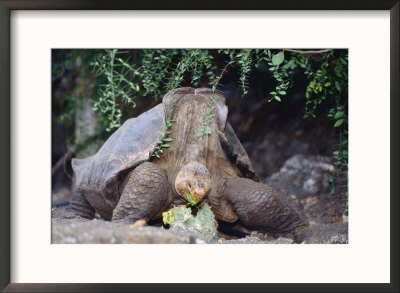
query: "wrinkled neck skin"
190, 113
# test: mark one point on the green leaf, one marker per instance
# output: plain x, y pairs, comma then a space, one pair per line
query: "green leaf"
277, 59
165, 145
338, 70
277, 98
338, 87
167, 139
282, 92
339, 115
189, 198
338, 123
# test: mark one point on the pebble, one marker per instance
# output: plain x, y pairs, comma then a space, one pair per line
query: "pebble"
254, 234
138, 224
310, 201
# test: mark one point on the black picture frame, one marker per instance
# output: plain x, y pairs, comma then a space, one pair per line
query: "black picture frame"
6, 6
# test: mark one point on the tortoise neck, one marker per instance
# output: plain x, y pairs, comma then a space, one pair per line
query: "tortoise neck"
188, 145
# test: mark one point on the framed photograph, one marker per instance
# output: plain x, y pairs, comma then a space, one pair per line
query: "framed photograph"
159, 146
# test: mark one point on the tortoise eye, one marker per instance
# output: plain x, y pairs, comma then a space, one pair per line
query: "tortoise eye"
190, 185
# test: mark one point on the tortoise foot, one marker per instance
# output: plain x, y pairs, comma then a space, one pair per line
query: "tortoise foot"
259, 205
80, 207
144, 195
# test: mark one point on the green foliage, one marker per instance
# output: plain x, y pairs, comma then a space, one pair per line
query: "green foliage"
244, 60
155, 66
120, 86
164, 139
280, 73
197, 63
205, 129
328, 83
153, 73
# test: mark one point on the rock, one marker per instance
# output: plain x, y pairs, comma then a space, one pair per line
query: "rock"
268, 152
324, 234
271, 142
282, 240
79, 230
179, 228
100, 231
63, 213
303, 176
256, 240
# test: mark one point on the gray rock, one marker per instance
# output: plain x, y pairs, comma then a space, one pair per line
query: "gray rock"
179, 227
324, 234
256, 240
64, 213
99, 231
303, 176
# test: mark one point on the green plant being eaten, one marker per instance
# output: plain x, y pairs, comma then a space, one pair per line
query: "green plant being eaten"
202, 222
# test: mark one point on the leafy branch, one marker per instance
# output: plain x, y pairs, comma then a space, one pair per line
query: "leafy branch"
164, 141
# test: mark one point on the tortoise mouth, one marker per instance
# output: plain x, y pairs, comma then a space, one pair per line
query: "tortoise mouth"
192, 199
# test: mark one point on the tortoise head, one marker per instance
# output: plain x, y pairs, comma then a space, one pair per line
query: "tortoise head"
193, 182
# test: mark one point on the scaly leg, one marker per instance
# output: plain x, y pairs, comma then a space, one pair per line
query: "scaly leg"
144, 196
258, 205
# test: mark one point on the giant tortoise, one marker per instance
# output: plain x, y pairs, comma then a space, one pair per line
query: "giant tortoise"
124, 181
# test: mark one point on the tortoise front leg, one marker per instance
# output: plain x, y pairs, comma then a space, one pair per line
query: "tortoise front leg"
145, 194
258, 205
